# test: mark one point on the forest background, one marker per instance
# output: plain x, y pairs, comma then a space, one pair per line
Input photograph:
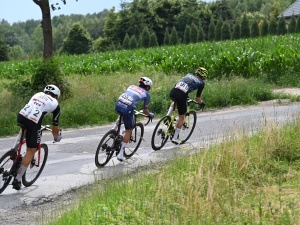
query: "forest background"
147, 23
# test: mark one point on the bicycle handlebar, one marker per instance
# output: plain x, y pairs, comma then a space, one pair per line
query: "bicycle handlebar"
136, 113
46, 127
201, 105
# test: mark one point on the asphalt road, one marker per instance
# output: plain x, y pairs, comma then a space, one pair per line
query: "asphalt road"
70, 163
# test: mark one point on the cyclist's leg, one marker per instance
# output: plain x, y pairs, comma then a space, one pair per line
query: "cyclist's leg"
180, 99
32, 139
128, 118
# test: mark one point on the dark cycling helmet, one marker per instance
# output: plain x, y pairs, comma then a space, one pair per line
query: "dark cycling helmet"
146, 81
51, 88
201, 71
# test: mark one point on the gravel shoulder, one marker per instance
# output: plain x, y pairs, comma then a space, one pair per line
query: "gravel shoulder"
39, 211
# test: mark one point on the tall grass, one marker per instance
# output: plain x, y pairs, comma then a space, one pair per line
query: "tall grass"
244, 180
94, 98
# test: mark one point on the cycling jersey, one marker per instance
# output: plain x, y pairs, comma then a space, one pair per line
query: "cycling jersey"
133, 95
32, 114
190, 83
40, 105
127, 103
185, 86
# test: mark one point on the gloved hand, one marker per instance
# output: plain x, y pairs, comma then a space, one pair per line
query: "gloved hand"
59, 136
151, 115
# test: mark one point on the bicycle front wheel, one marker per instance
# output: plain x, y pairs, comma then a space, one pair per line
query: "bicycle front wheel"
36, 166
105, 149
188, 126
161, 133
6, 164
135, 140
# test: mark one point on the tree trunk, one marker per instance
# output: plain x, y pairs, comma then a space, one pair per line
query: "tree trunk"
46, 26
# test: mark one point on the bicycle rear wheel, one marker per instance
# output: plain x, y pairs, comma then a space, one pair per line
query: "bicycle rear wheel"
6, 164
161, 133
135, 140
36, 166
105, 149
188, 126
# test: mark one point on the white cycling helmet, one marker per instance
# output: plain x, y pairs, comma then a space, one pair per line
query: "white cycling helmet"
51, 88
146, 81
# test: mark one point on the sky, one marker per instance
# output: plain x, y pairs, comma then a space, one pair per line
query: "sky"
22, 10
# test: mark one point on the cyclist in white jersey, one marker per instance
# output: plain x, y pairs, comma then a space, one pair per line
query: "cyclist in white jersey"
180, 92
127, 103
31, 117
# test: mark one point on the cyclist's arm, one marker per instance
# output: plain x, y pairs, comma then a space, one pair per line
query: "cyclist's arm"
146, 105
55, 132
55, 122
199, 93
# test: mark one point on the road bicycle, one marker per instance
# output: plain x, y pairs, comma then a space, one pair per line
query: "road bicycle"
10, 162
110, 143
166, 126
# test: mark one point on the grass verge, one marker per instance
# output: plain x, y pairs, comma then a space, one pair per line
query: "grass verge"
243, 180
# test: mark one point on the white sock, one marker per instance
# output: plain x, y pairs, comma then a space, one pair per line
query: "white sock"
123, 145
21, 172
170, 111
177, 131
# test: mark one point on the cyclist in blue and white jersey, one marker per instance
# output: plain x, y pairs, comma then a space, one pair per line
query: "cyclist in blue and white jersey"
127, 103
180, 93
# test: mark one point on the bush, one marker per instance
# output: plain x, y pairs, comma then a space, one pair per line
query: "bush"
47, 72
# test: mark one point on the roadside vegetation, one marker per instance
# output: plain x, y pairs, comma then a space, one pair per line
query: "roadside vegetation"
241, 72
243, 180
94, 98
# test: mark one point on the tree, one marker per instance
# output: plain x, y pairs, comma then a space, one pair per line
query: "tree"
201, 34
166, 37
133, 42
194, 33
281, 26
264, 28
211, 31
4, 50
236, 30
153, 40
145, 38
292, 25
298, 25
78, 41
273, 26
254, 29
174, 37
46, 26
225, 31
219, 29
245, 29
126, 42
101, 44
187, 34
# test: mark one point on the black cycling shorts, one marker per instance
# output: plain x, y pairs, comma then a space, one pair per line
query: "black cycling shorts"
180, 98
33, 131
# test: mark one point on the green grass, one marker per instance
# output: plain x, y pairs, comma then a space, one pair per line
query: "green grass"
244, 180
94, 98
